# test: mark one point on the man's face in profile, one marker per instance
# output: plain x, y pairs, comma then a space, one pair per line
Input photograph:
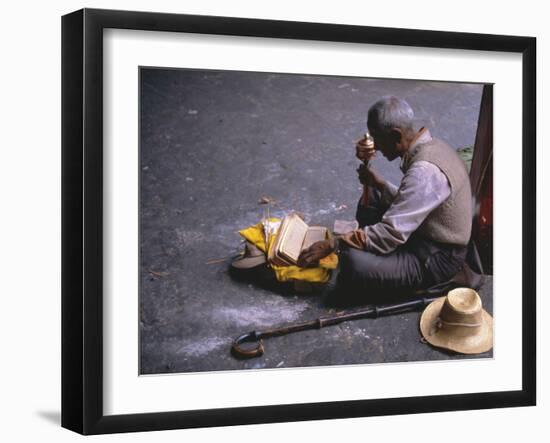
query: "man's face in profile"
385, 143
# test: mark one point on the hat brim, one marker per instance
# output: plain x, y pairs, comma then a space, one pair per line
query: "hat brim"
249, 262
481, 341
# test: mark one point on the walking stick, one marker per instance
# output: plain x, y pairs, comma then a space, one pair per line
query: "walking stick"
321, 322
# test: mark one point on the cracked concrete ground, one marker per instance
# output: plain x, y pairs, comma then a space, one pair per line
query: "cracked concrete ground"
211, 145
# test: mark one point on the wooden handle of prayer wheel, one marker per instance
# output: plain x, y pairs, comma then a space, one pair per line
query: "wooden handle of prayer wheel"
365, 196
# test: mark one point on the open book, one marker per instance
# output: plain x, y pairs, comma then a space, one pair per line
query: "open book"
293, 237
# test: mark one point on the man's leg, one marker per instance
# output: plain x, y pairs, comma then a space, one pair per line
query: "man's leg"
372, 277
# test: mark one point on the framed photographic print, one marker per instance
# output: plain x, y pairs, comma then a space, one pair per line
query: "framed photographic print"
259, 216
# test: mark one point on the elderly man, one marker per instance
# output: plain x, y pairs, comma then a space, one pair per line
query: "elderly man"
413, 236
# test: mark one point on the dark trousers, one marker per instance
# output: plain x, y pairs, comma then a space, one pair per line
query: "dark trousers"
418, 264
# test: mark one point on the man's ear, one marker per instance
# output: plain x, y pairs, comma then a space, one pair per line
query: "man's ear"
396, 135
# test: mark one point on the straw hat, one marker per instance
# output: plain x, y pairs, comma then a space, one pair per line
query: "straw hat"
458, 322
252, 257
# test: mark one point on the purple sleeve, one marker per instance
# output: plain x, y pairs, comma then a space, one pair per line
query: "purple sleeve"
423, 188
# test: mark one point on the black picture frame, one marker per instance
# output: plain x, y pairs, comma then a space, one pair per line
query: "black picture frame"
82, 218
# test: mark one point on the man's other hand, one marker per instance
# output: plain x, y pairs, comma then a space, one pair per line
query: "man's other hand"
356, 239
311, 256
364, 150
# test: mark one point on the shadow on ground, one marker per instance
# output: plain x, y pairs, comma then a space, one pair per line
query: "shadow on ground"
53, 417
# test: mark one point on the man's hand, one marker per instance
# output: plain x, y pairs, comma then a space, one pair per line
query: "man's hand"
311, 256
367, 176
364, 150
356, 239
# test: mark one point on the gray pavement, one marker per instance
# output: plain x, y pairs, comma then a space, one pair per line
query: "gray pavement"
211, 145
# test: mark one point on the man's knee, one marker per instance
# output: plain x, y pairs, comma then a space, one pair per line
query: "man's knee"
358, 279
356, 265
365, 271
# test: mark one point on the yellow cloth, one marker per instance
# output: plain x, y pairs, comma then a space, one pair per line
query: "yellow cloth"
320, 274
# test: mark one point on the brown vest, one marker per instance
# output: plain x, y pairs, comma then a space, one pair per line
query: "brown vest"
451, 222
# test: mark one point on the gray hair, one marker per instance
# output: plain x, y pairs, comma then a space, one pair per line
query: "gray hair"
390, 112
